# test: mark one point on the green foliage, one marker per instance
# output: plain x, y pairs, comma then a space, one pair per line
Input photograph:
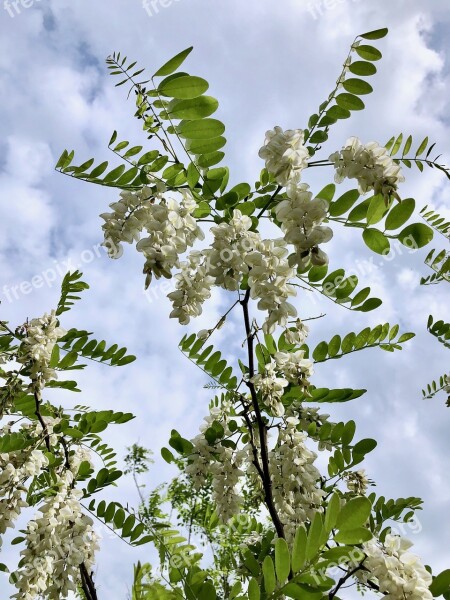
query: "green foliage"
440, 264
401, 145
382, 336
435, 220
78, 343
209, 361
440, 330
70, 287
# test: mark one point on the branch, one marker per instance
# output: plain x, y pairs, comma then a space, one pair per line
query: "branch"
266, 479
87, 583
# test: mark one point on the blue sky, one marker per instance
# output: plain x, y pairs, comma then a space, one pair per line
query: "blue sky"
268, 62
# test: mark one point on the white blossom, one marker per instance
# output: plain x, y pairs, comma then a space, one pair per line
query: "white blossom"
357, 482
371, 165
285, 154
163, 230
193, 287
300, 217
57, 543
271, 386
399, 574
297, 335
295, 367
37, 347
294, 478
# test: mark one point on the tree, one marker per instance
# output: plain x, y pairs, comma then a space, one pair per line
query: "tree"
249, 486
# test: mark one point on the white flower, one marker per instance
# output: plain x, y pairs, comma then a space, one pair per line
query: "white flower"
400, 574
285, 154
371, 165
57, 543
300, 217
357, 482
294, 478
162, 230
192, 289
295, 367
271, 387
297, 335
37, 347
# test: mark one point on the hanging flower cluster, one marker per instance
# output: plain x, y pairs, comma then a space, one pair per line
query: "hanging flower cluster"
168, 229
16, 468
57, 543
357, 482
37, 347
285, 154
371, 165
301, 216
222, 463
399, 574
271, 387
294, 478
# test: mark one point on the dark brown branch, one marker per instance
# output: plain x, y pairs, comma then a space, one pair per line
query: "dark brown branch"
37, 412
265, 476
87, 583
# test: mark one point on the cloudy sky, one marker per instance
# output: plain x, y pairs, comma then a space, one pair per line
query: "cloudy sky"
269, 62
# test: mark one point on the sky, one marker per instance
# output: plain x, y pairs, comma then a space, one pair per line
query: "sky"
269, 63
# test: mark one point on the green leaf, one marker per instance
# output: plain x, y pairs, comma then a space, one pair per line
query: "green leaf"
208, 160
344, 203
354, 514
268, 570
441, 583
365, 446
362, 68
327, 193
184, 88
205, 146
253, 590
332, 512
416, 235
350, 102
377, 209
378, 34
197, 108
353, 536
172, 65
299, 549
400, 213
368, 53
314, 537
376, 241
201, 130
282, 560
357, 86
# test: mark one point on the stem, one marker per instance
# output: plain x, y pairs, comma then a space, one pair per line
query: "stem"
87, 583
265, 476
37, 412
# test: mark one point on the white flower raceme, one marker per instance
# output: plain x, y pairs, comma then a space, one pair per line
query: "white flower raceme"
57, 543
297, 335
268, 279
223, 464
37, 347
285, 154
15, 469
301, 216
193, 287
271, 386
232, 242
294, 478
370, 164
357, 482
399, 574
168, 229
295, 367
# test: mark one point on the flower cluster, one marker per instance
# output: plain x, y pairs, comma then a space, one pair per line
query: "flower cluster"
223, 464
295, 367
57, 543
357, 482
294, 478
300, 217
168, 227
399, 574
271, 387
193, 287
371, 165
285, 154
37, 347
297, 335
15, 469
